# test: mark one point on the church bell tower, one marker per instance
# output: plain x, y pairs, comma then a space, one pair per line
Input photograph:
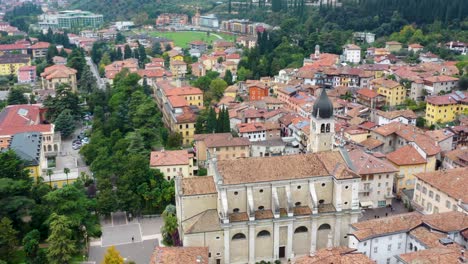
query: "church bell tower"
322, 125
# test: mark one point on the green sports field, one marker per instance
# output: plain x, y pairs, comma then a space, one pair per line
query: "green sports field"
183, 38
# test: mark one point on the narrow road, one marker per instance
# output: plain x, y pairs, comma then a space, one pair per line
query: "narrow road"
95, 72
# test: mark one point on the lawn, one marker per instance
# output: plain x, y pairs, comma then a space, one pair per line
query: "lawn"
183, 38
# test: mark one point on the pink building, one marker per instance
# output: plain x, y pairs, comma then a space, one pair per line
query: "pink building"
27, 74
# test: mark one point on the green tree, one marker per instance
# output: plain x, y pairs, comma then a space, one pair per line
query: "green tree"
88, 82
16, 96
120, 38
77, 61
65, 123
228, 77
174, 141
51, 53
420, 122
31, 245
119, 55
127, 52
156, 49
64, 99
244, 74
463, 83
66, 171
49, 174
169, 228
211, 121
61, 246
217, 87
8, 240
226, 124
113, 256
136, 143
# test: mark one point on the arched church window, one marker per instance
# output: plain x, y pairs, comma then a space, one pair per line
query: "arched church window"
322, 128
328, 128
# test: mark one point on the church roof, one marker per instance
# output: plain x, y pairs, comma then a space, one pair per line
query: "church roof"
323, 107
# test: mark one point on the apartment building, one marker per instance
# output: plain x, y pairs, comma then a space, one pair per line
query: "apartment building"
394, 92
445, 108
11, 63
173, 163
222, 146
57, 75
352, 53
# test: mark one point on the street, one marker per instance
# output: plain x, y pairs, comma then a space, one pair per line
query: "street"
94, 70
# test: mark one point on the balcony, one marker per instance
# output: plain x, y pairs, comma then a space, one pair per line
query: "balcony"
389, 196
400, 176
364, 190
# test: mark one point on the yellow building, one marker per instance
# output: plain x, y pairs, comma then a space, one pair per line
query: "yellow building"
174, 55
56, 75
409, 162
393, 46
59, 178
10, 63
223, 146
178, 68
173, 163
231, 91
28, 147
445, 108
394, 93
441, 191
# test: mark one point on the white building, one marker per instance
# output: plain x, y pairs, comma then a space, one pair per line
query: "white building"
352, 53
407, 117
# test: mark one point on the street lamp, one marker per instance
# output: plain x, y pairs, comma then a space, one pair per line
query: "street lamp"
85, 236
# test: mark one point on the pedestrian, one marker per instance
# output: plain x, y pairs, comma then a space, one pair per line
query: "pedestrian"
133, 239
386, 214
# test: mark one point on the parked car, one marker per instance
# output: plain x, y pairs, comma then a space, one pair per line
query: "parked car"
76, 146
85, 140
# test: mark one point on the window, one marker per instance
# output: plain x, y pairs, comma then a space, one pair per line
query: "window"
399, 245
375, 249
411, 246
390, 238
235, 210
298, 187
437, 198
431, 194
388, 260
365, 243
389, 247
301, 229
263, 233
448, 204
424, 190
261, 190
236, 193
378, 185
238, 236
323, 184
261, 208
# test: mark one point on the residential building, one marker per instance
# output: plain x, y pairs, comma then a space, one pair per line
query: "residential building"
457, 46
199, 45
370, 98
174, 20
375, 188
445, 108
11, 63
257, 91
252, 131
441, 191
442, 137
434, 85
70, 19
178, 68
393, 46
322, 125
408, 161
39, 50
352, 53
407, 117
210, 21
14, 49
222, 146
117, 66
364, 37
415, 47
27, 74
457, 158
272, 147
16, 119
173, 163
268, 208
28, 147
193, 95
180, 255
399, 238
57, 75
247, 41
394, 92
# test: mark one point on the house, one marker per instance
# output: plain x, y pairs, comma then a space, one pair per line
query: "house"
457, 158
352, 53
375, 188
182, 255
117, 66
428, 57
403, 116
27, 74
408, 161
272, 147
175, 55
257, 91
221, 45
252, 131
174, 20
199, 45
222, 146
59, 60
441, 191
434, 85
154, 75
11, 63
247, 41
394, 92
442, 137
295, 201
415, 47
370, 98
39, 50
16, 119
393, 46
14, 48
178, 68
28, 146
457, 46
412, 236
173, 163
445, 108
56, 75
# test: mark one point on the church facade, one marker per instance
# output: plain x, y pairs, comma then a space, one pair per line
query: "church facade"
272, 208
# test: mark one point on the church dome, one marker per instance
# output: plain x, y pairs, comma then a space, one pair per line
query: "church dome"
323, 107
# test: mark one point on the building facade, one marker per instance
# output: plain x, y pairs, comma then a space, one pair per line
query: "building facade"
173, 163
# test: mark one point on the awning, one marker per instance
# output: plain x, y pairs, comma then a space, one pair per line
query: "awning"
366, 204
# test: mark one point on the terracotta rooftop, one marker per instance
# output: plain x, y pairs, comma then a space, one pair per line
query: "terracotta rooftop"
408, 114
439, 135
441, 78
58, 71
458, 221
198, 185
365, 163
382, 226
169, 158
250, 127
426, 237
177, 101
40, 45
338, 255
371, 143
453, 182
279, 168
458, 156
221, 140
367, 93
22, 118
179, 255
406, 155
184, 90
387, 83
437, 255
448, 99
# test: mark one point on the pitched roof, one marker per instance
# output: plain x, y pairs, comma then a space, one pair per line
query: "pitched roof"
458, 221
408, 114
28, 147
278, 168
426, 237
453, 182
184, 90
382, 226
368, 93
341, 255
206, 221
437, 255
14, 58
58, 71
169, 158
441, 78
198, 185
365, 163
221, 140
40, 45
387, 83
179, 255
448, 99
371, 143
406, 155
22, 118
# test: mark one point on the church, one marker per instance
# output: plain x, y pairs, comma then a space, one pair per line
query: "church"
272, 208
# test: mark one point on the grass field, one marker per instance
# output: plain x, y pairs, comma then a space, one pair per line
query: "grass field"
183, 38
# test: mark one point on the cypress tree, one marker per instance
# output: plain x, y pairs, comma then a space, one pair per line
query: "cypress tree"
211, 121
226, 124
119, 54
127, 52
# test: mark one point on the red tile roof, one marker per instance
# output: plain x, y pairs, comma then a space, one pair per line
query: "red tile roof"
58, 71
22, 118
40, 45
8, 47
367, 164
406, 155
169, 158
452, 182
368, 93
